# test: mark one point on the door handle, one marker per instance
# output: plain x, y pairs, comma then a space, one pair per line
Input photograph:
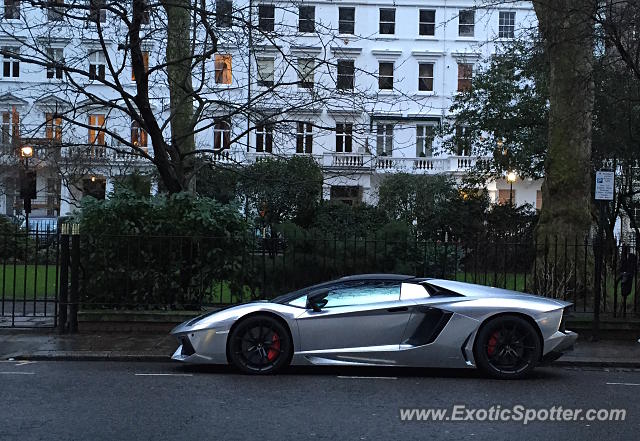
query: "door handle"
398, 309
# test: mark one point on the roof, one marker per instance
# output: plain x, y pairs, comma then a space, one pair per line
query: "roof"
378, 277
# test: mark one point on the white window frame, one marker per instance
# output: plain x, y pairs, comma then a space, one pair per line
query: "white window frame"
425, 134
98, 59
304, 21
221, 134
304, 137
380, 76
266, 23
391, 24
56, 61
384, 138
344, 137
422, 23
265, 76
346, 22
426, 77
264, 138
225, 18
11, 65
466, 28
11, 10
506, 24
343, 75
306, 72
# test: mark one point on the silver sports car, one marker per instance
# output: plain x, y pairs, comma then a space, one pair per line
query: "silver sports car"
383, 320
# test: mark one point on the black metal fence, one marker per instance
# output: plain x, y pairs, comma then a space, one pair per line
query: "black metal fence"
42, 271
29, 278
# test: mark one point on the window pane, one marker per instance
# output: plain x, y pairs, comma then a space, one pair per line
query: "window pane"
266, 17
363, 293
346, 20
306, 18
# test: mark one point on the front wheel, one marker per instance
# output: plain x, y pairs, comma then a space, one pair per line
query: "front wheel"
507, 347
260, 345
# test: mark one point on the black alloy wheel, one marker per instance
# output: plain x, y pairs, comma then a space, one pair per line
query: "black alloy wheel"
507, 347
260, 345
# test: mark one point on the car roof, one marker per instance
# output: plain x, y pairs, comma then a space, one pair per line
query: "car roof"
377, 277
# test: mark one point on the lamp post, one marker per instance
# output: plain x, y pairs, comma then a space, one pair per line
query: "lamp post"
27, 183
511, 178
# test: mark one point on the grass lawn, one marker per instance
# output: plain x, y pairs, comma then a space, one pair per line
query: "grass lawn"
40, 281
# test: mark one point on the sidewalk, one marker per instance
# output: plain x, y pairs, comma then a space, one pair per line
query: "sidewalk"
159, 347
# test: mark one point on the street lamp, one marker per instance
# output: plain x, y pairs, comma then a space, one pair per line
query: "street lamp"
511, 178
27, 183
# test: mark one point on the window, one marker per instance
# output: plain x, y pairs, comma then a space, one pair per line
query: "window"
384, 139
506, 24
466, 23
222, 134
463, 141
425, 77
306, 67
387, 21
304, 138
427, 22
265, 72
96, 130
223, 68
53, 127
344, 137
95, 186
10, 128
56, 60
12, 9
506, 197
306, 19
385, 76
97, 11
347, 194
224, 9
347, 20
264, 138
138, 135
363, 293
346, 74
465, 75
424, 140
53, 196
97, 65
55, 12
145, 63
266, 18
539, 200
10, 64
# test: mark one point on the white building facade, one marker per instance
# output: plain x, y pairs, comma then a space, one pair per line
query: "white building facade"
360, 86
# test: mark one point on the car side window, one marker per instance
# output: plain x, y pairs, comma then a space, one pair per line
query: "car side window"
363, 293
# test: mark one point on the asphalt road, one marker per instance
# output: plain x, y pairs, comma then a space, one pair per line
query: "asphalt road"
157, 401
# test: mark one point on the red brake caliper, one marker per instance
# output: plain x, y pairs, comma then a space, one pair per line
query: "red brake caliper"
493, 342
274, 350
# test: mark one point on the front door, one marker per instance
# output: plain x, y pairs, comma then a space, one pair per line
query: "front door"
359, 316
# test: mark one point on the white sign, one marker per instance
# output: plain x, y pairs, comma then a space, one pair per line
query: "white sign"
604, 185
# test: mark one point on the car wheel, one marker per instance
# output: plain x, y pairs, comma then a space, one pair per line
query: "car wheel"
507, 347
260, 345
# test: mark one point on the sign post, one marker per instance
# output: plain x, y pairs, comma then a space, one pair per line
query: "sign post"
605, 183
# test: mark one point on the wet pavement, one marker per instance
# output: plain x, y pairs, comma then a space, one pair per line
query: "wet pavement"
41, 345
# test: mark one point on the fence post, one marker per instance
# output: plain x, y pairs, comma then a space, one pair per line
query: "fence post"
63, 294
597, 281
75, 275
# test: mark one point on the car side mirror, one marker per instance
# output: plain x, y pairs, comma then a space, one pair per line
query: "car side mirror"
317, 300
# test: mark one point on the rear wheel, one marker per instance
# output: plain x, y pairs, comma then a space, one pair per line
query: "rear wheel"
507, 347
260, 345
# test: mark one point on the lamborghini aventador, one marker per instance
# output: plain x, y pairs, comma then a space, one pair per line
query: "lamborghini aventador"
383, 320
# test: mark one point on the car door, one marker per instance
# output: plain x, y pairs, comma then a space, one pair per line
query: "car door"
358, 316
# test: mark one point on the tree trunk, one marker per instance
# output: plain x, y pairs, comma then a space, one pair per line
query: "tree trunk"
568, 31
179, 59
